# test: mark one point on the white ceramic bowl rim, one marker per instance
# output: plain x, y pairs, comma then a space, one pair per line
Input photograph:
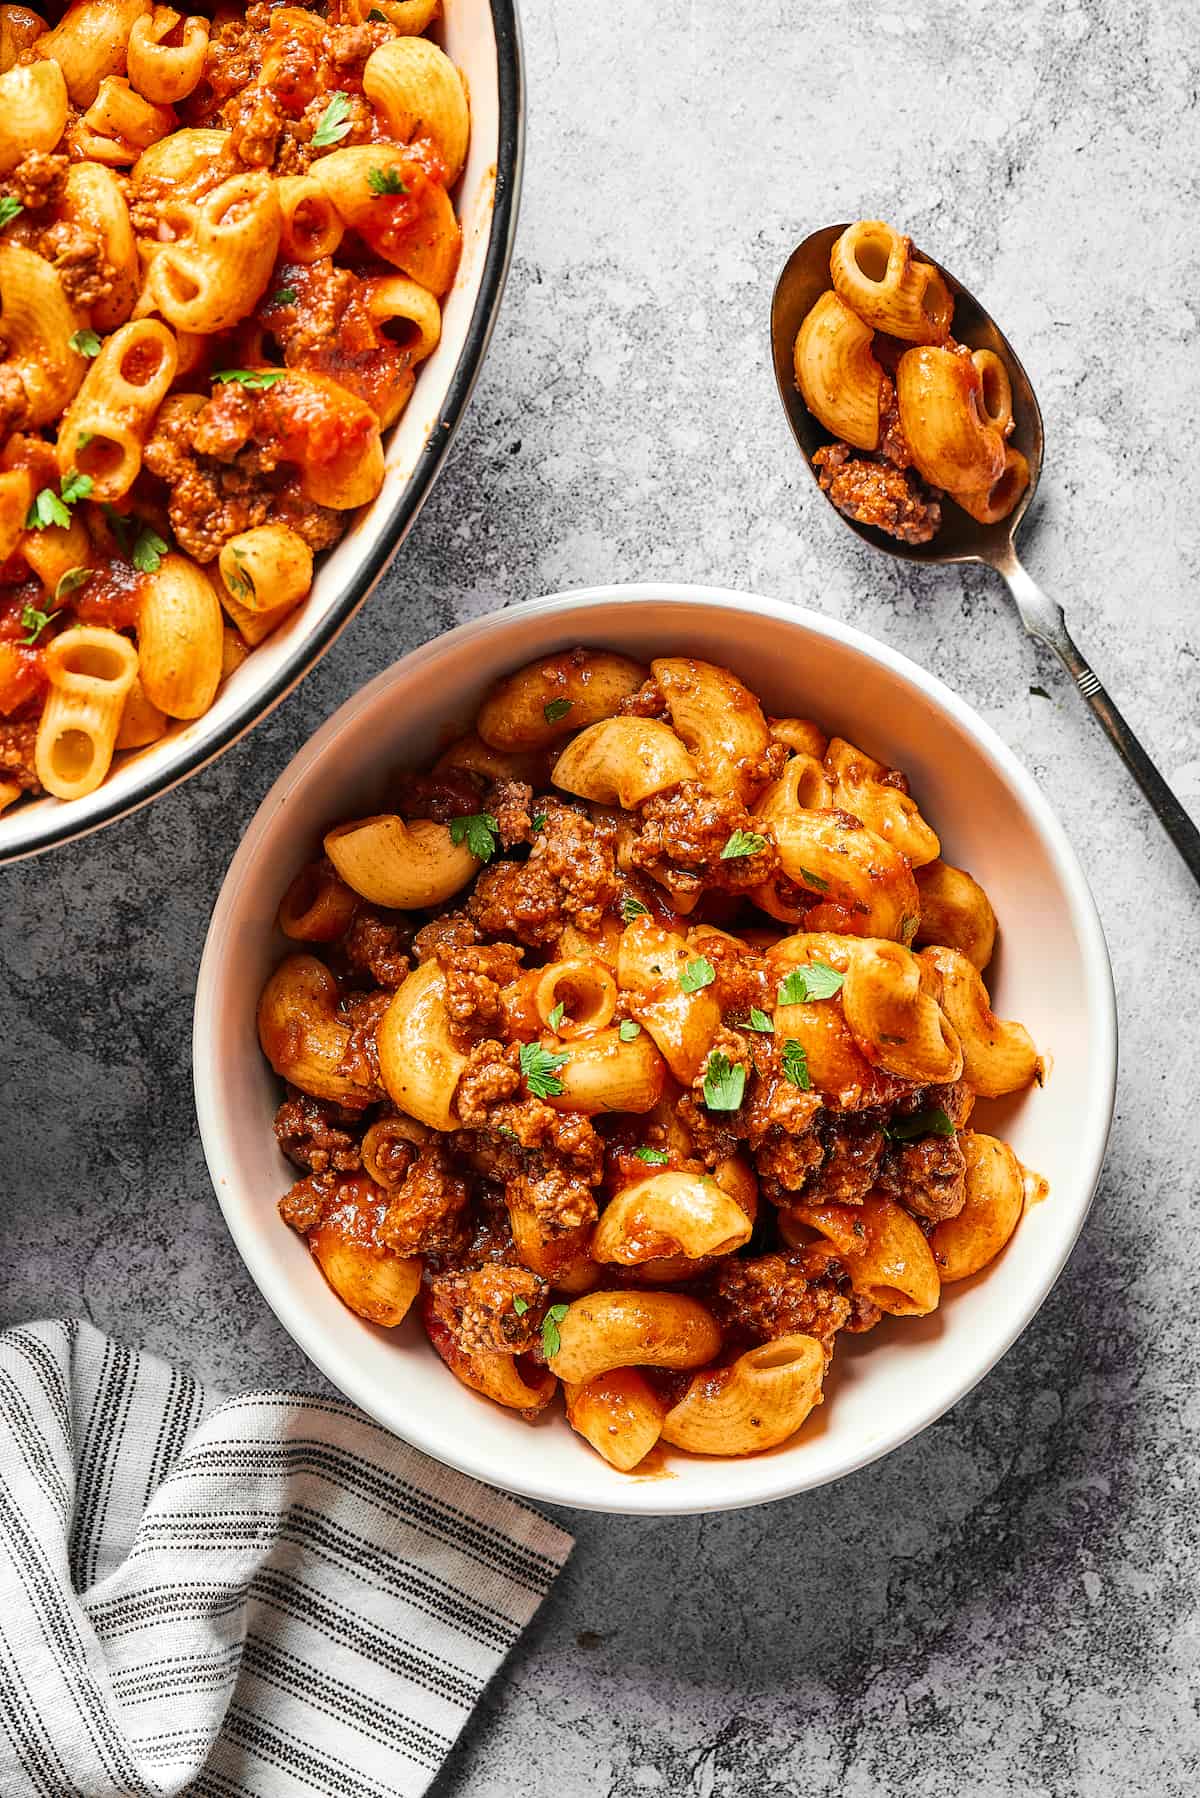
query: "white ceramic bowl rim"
767, 1477
179, 760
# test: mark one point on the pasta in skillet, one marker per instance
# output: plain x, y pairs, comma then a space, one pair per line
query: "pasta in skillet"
224, 243
635, 1049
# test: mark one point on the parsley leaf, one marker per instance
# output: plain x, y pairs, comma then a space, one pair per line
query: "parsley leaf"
551, 1340
698, 973
385, 181
284, 296
520, 1305
933, 1121
909, 927
70, 581
255, 380
148, 550
724, 1082
653, 1157
83, 439
743, 842
478, 832
85, 343
816, 981
795, 1064
632, 908
823, 981
504, 1130
9, 209
760, 1021
628, 1029
47, 509
74, 487
333, 123
34, 622
538, 821
540, 1069
814, 880
557, 708
375, 17
557, 1015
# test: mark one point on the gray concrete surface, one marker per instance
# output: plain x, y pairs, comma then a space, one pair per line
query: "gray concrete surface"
1008, 1605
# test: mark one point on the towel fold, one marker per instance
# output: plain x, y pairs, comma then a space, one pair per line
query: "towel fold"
265, 1594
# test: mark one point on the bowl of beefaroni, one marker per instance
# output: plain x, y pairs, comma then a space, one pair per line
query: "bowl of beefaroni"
249, 267
655, 1048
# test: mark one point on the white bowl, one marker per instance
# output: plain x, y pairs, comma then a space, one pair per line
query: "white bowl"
483, 38
1051, 971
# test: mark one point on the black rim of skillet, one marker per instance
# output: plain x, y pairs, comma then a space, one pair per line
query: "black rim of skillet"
510, 152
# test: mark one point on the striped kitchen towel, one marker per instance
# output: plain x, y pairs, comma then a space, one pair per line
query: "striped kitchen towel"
262, 1595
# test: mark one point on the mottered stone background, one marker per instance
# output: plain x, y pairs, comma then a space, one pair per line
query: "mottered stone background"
1009, 1604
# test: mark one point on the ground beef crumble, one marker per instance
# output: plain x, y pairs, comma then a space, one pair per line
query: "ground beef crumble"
18, 745
424, 1214
476, 975
777, 1295
683, 835
891, 499
377, 946
317, 1134
570, 877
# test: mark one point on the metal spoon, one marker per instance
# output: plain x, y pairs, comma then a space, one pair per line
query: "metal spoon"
961, 539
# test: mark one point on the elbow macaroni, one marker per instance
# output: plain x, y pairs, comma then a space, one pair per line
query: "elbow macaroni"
945, 422
607, 1085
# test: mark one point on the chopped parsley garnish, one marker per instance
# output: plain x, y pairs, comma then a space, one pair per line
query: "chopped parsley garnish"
538, 821
540, 1068
742, 842
933, 1121
284, 296
9, 209
814, 880
698, 973
908, 928
47, 509
504, 1130
653, 1157
71, 581
478, 832
556, 709
520, 1305
385, 181
34, 622
148, 551
333, 123
85, 343
375, 17
795, 1064
632, 908
551, 1340
816, 981
557, 1015
83, 439
628, 1029
760, 1021
724, 1082
74, 487
255, 380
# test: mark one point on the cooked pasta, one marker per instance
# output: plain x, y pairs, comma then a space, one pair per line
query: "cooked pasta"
913, 415
197, 363
636, 1049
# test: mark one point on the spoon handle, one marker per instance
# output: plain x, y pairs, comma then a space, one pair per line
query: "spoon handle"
1043, 618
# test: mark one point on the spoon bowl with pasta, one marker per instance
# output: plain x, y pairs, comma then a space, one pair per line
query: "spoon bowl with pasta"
922, 429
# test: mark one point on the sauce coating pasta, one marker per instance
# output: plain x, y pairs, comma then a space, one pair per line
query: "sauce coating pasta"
650, 1101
